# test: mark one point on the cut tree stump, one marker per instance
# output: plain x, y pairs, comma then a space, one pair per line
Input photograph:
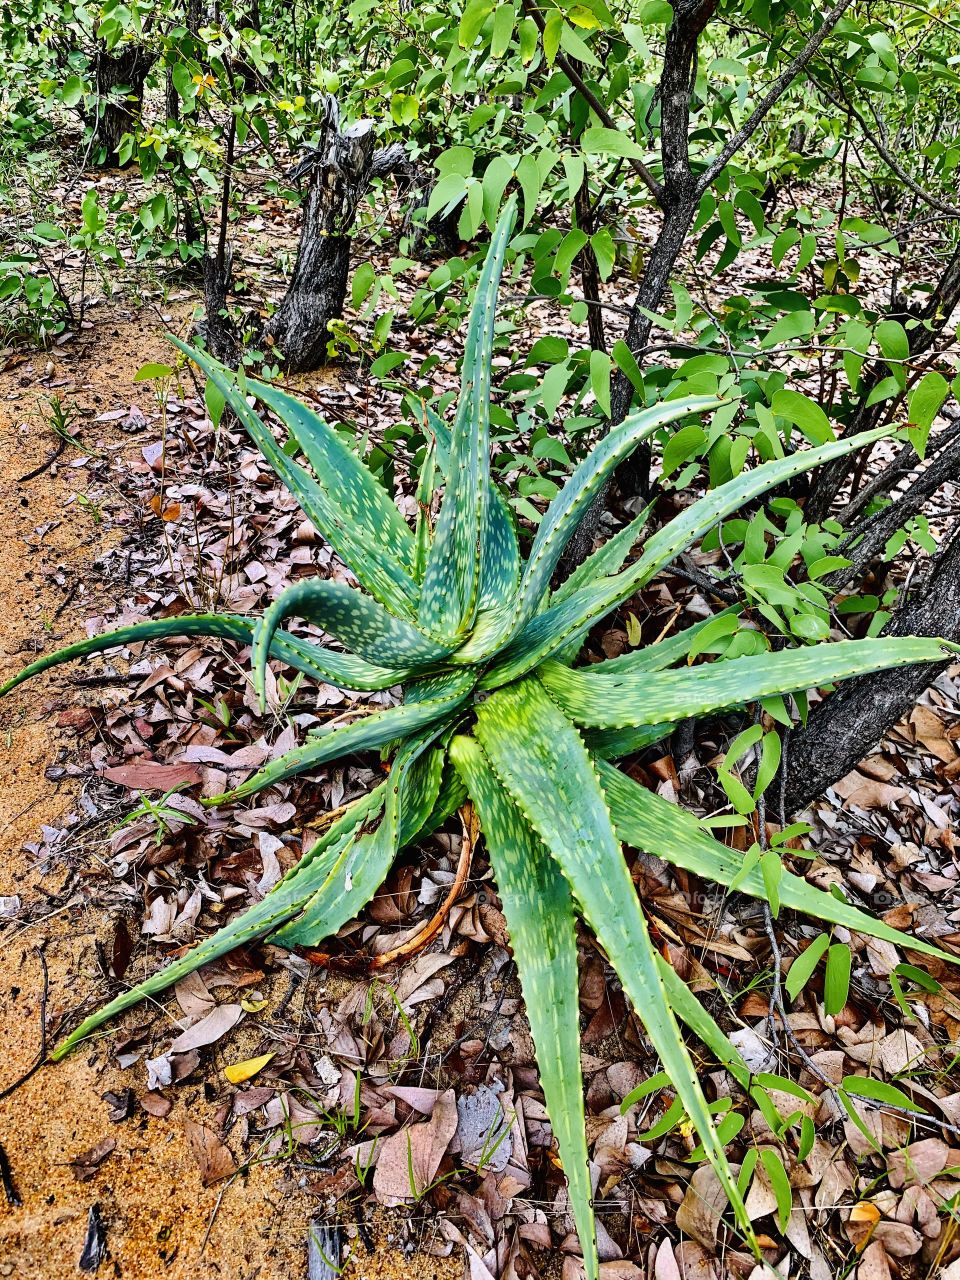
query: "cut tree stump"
338, 172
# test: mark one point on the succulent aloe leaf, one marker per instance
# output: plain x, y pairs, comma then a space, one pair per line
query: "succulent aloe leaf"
608, 558
540, 920
354, 618
557, 627
343, 670
343, 475
500, 548
421, 793
566, 511
653, 824
374, 730
426, 483
283, 901
451, 796
540, 759
367, 555
451, 585
613, 744
664, 653
590, 697
363, 863
705, 1027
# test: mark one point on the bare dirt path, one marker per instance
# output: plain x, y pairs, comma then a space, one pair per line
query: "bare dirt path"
158, 1218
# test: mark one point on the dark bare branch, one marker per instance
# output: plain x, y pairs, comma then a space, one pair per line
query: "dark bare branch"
771, 97
597, 107
881, 148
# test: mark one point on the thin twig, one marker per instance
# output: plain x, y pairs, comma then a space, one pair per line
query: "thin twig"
578, 82
45, 466
42, 1052
890, 159
6, 1178
771, 98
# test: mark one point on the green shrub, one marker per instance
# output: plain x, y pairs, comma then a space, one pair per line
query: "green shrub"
494, 709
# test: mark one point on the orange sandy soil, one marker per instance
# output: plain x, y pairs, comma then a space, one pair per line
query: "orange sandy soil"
155, 1209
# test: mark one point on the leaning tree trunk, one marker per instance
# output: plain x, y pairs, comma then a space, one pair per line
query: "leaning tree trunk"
340, 172
847, 725
119, 79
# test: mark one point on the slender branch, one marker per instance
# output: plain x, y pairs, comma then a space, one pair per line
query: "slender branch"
771, 97
601, 112
890, 159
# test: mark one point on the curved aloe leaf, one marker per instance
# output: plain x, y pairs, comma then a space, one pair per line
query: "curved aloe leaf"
343, 670
613, 744
692, 1013
608, 558
283, 901
451, 584
451, 796
374, 730
352, 617
540, 759
664, 653
423, 536
555, 628
500, 549
591, 697
366, 554
566, 511
653, 824
540, 920
356, 620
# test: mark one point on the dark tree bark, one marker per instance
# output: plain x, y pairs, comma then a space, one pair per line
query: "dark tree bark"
678, 198
219, 331
589, 270
119, 79
437, 238
339, 173
849, 724
867, 539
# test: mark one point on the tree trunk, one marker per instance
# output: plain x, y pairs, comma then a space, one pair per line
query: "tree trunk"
678, 200
340, 171
438, 238
119, 82
847, 725
218, 330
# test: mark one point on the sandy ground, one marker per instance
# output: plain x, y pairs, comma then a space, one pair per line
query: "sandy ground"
159, 1218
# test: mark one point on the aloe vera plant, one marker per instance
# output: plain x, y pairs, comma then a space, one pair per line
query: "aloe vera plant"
496, 710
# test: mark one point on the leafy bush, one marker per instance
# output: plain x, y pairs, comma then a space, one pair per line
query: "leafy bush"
495, 710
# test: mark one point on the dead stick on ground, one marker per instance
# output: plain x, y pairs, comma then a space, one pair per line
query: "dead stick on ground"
6, 1177
42, 1052
428, 931
54, 457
